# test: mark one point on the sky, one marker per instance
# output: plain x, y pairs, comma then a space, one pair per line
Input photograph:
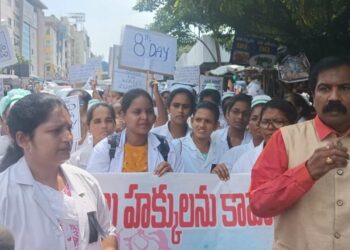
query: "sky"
104, 19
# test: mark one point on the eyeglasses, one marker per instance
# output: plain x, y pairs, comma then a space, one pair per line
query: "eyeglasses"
273, 123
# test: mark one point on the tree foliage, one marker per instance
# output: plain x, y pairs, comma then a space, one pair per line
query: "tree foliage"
316, 27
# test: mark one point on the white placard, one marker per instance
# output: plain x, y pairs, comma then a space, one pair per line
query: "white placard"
76, 74
82, 72
148, 51
116, 56
158, 77
72, 103
7, 54
216, 81
124, 80
1, 88
187, 74
95, 63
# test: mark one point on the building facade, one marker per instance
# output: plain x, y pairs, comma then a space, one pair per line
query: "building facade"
48, 44
22, 18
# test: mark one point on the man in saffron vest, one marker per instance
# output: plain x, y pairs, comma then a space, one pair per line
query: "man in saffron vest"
303, 175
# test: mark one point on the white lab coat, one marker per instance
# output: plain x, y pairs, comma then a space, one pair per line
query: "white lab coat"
100, 162
80, 158
76, 146
246, 162
26, 212
164, 131
220, 139
231, 156
222, 120
193, 160
5, 141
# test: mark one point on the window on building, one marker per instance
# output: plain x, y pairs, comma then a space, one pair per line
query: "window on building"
48, 32
48, 68
9, 22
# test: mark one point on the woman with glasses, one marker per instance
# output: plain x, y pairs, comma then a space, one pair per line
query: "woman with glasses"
237, 116
275, 114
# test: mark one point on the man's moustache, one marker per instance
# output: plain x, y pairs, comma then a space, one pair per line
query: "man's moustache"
335, 106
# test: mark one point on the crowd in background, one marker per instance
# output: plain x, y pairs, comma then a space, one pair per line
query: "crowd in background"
172, 130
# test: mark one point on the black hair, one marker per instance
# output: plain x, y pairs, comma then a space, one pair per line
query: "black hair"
131, 95
238, 98
184, 91
165, 92
11, 87
213, 93
90, 112
209, 106
101, 92
224, 103
25, 116
7, 241
325, 64
285, 107
84, 97
300, 102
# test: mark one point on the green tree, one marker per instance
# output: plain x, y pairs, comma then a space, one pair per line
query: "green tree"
21, 59
316, 27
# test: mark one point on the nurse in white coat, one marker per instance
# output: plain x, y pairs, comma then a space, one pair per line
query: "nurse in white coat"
237, 115
6, 103
274, 115
101, 123
180, 105
137, 150
232, 156
198, 152
45, 203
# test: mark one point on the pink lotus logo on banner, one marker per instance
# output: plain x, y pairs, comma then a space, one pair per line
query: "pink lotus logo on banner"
142, 240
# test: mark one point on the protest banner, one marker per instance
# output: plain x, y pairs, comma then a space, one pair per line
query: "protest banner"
80, 73
7, 54
158, 77
216, 81
72, 103
124, 80
148, 51
187, 74
184, 211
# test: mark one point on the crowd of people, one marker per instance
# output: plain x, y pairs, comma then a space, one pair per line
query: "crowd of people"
297, 160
